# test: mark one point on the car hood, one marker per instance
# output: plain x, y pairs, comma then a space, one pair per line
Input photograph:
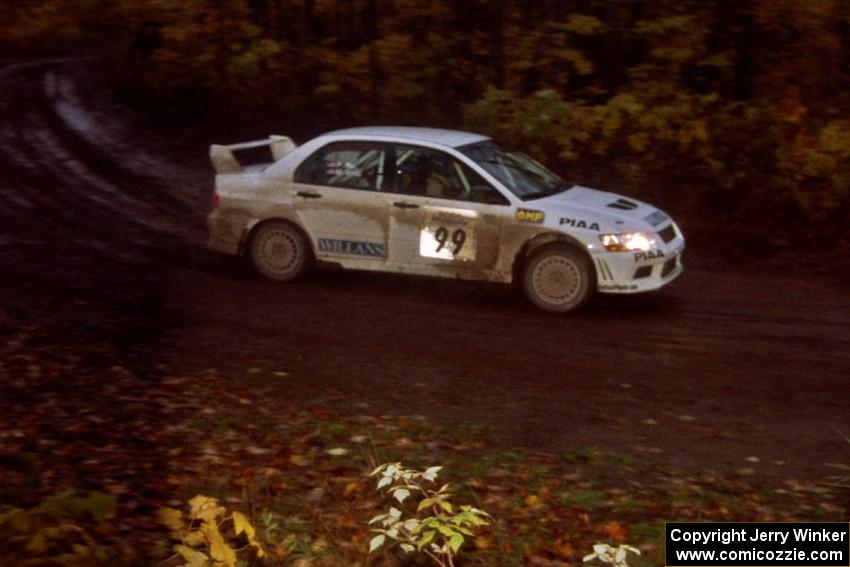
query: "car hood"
610, 211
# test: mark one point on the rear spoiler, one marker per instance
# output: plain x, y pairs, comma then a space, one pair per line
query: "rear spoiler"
224, 161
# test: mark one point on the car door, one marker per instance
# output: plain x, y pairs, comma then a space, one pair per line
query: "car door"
337, 200
445, 217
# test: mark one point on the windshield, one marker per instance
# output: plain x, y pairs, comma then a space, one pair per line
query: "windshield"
523, 176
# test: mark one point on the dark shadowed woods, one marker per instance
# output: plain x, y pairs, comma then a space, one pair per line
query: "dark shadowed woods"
731, 111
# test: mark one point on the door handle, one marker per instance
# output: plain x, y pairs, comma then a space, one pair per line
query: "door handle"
403, 205
307, 195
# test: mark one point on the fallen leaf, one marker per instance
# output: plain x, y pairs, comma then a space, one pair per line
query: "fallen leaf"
483, 542
564, 549
616, 531
532, 500
299, 460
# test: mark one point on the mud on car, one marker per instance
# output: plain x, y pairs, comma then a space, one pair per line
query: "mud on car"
436, 203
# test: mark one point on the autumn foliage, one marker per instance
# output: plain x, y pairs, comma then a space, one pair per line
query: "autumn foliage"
201, 533
729, 110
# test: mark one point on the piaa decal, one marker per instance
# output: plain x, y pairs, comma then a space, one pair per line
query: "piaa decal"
579, 223
648, 255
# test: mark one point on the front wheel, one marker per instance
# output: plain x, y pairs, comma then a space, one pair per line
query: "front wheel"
559, 279
279, 251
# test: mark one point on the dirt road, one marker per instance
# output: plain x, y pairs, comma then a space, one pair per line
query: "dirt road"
738, 365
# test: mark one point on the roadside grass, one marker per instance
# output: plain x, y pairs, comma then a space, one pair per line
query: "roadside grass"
300, 472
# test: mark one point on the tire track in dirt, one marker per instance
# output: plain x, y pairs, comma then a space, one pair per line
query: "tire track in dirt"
70, 236
147, 193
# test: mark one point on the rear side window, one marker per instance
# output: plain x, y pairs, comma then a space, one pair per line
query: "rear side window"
349, 165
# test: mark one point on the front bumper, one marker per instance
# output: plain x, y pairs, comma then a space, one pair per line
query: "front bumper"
636, 272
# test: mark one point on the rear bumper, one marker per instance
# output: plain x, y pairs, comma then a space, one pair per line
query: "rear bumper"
225, 247
225, 232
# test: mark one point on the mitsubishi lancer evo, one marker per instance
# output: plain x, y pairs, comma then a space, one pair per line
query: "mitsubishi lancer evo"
436, 202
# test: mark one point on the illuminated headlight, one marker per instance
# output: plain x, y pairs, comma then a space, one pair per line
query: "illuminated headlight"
628, 242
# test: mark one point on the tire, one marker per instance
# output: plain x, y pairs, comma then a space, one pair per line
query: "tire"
280, 252
558, 278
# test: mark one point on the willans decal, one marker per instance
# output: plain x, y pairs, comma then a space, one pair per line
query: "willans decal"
352, 247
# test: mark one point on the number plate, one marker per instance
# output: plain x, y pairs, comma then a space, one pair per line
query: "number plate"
448, 234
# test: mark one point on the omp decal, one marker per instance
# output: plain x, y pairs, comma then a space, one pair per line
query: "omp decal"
530, 215
623, 205
352, 247
579, 223
648, 255
656, 218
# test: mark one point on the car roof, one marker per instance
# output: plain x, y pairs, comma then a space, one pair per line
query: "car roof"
452, 138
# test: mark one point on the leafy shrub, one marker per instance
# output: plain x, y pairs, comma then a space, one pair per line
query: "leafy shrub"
434, 527
201, 533
745, 159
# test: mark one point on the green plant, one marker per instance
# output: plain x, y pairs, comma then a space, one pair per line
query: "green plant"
435, 528
202, 531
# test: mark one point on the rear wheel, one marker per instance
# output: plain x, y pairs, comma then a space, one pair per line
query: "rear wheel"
558, 278
279, 251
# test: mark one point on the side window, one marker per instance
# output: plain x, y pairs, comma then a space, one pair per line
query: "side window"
351, 165
431, 173
479, 190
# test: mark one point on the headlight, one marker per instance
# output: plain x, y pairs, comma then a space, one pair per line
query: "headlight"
628, 242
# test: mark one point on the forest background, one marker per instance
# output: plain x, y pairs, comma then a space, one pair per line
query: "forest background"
730, 112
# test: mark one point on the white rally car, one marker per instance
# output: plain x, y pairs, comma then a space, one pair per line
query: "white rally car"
437, 203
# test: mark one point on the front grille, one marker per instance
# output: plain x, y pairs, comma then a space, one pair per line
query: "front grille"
643, 272
668, 267
668, 233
